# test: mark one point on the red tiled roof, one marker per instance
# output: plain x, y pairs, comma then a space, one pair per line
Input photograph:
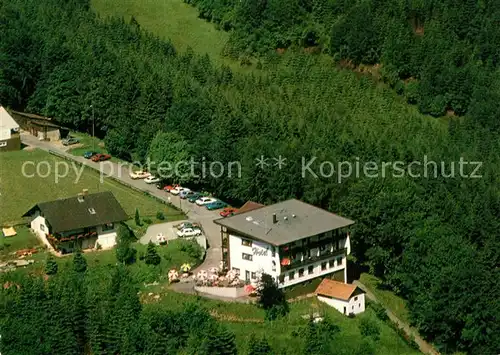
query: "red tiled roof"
249, 206
336, 289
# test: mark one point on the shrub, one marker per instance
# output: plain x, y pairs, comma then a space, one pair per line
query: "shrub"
369, 328
160, 216
152, 257
137, 217
379, 311
51, 266
147, 220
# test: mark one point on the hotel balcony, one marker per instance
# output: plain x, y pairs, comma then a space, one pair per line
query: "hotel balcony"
59, 238
303, 260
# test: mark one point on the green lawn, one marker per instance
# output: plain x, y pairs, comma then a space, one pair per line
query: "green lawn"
395, 304
24, 239
87, 143
19, 193
170, 19
286, 335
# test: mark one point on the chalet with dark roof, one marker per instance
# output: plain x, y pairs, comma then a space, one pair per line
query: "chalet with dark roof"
85, 221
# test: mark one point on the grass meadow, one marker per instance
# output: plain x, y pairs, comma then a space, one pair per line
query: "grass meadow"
18, 193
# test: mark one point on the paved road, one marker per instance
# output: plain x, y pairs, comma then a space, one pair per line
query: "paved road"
424, 346
121, 172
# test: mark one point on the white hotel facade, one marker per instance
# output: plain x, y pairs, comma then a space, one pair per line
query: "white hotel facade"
292, 241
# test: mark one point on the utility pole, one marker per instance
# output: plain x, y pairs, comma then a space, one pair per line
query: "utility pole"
93, 138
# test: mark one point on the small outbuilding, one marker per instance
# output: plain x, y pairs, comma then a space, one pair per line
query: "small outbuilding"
345, 298
44, 128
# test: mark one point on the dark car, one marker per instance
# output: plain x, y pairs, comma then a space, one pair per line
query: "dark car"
101, 157
215, 205
88, 155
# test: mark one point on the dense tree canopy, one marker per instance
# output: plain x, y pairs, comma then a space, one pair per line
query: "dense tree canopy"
447, 46
433, 236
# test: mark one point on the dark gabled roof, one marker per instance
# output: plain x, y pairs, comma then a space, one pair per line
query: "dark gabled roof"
69, 213
249, 206
295, 220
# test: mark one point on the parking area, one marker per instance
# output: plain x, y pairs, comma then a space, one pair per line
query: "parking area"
169, 231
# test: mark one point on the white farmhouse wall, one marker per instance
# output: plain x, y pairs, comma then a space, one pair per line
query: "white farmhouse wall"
106, 239
335, 303
262, 259
40, 228
356, 304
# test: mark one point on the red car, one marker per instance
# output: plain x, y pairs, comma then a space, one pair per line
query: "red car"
228, 211
101, 157
170, 187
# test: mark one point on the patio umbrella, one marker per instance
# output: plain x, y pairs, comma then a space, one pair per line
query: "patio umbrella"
185, 267
214, 270
213, 277
202, 274
249, 289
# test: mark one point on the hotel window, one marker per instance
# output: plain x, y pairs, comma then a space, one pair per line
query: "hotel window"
291, 275
274, 265
282, 279
42, 227
331, 263
246, 242
301, 272
246, 256
339, 261
310, 269
356, 298
323, 266
236, 270
254, 275
274, 251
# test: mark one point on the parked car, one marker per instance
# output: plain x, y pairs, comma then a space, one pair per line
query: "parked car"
215, 205
178, 189
204, 200
184, 193
101, 157
70, 141
151, 179
169, 188
139, 174
187, 225
189, 232
228, 211
89, 154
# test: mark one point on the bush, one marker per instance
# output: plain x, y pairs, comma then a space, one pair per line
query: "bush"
191, 248
160, 216
379, 311
369, 328
147, 220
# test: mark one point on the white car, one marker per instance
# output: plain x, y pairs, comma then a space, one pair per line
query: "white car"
205, 200
177, 190
152, 179
189, 232
139, 174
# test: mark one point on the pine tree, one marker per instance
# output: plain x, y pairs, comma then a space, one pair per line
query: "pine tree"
152, 257
272, 298
79, 262
219, 341
137, 217
125, 253
258, 346
51, 266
